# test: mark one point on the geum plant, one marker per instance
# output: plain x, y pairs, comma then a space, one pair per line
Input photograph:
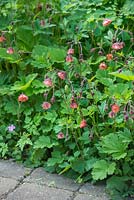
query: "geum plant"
67, 101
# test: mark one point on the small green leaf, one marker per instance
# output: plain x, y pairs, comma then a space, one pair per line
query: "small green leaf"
42, 142
78, 165
23, 141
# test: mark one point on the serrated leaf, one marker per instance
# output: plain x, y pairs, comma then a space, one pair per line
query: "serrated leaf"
51, 116
23, 141
90, 163
102, 168
113, 144
44, 54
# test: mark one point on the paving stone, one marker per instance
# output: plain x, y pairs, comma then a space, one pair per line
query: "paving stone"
89, 197
95, 190
7, 184
31, 191
41, 177
13, 170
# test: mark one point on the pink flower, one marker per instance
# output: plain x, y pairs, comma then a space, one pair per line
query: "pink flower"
46, 105
118, 45
69, 58
83, 123
10, 50
70, 51
109, 56
74, 105
48, 82
22, 98
106, 22
103, 66
115, 108
62, 75
60, 135
2, 39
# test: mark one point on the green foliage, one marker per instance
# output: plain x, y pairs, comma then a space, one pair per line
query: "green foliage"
102, 168
66, 88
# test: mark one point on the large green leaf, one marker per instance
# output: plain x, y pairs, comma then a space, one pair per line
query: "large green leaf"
44, 55
126, 75
102, 168
25, 38
113, 144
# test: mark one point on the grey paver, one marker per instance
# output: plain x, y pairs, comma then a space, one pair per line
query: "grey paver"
7, 184
41, 177
12, 170
94, 190
32, 191
89, 197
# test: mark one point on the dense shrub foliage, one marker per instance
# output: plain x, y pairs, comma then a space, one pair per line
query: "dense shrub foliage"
67, 88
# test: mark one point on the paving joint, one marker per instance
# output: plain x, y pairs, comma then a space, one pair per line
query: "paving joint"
76, 192
20, 182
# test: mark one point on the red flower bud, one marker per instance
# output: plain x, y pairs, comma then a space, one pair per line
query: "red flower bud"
2, 39
48, 82
106, 22
60, 135
117, 45
22, 98
109, 56
46, 105
62, 75
102, 66
73, 105
69, 58
10, 50
115, 108
70, 51
83, 123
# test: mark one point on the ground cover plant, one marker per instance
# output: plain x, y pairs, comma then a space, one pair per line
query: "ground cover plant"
67, 89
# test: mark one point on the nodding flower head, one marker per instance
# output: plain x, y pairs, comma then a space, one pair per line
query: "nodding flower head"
103, 66
118, 45
83, 123
62, 75
60, 135
48, 82
70, 51
106, 22
22, 98
10, 50
46, 105
115, 108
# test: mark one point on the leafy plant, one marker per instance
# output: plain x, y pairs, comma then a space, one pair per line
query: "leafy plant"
66, 89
